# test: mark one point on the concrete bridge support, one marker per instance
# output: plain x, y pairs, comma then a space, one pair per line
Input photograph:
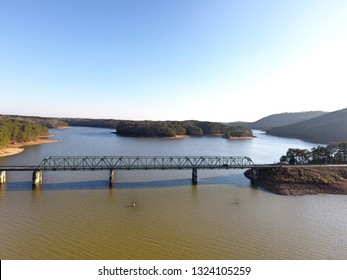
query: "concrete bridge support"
255, 172
2, 177
112, 177
194, 176
37, 177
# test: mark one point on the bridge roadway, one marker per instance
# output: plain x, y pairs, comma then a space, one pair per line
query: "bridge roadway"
112, 163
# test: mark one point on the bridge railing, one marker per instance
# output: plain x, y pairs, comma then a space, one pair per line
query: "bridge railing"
143, 162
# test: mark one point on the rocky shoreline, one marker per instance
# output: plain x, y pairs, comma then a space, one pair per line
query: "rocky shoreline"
291, 180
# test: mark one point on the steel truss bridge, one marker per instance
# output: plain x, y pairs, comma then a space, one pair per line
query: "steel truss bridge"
112, 163
56, 163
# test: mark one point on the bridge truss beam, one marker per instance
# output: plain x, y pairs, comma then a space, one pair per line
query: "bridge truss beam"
56, 163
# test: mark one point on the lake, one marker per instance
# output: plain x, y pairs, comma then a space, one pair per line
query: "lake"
75, 215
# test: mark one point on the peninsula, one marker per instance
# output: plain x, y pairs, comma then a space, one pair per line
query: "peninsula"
292, 180
321, 170
16, 148
16, 133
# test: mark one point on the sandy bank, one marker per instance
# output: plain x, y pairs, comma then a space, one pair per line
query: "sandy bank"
302, 180
17, 148
178, 137
4, 152
241, 138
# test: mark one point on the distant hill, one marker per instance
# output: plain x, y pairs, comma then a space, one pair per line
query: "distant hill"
283, 119
45, 121
106, 123
327, 128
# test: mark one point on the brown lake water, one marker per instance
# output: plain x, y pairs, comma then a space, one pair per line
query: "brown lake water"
76, 216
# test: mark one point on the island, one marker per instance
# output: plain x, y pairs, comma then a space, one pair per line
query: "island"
180, 129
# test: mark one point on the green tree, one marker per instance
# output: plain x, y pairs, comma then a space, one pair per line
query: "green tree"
193, 130
340, 152
331, 154
320, 154
296, 156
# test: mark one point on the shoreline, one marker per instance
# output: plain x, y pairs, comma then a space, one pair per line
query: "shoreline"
178, 137
241, 138
294, 181
184, 136
61, 127
17, 148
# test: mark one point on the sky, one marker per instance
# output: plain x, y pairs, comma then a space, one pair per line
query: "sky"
211, 60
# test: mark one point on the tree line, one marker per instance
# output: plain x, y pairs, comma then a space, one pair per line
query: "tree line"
331, 154
48, 122
173, 128
14, 131
106, 123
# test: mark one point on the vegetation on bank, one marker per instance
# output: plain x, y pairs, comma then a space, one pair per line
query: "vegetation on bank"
294, 180
14, 131
331, 154
174, 128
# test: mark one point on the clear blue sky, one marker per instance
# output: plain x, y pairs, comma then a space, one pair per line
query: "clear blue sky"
217, 60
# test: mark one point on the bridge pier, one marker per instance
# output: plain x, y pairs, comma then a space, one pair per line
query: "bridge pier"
37, 177
255, 172
112, 177
194, 176
2, 177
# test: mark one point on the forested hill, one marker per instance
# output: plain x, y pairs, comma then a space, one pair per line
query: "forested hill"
283, 119
47, 122
17, 131
328, 128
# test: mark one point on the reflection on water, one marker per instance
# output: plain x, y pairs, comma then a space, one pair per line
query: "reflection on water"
75, 215
84, 180
178, 222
